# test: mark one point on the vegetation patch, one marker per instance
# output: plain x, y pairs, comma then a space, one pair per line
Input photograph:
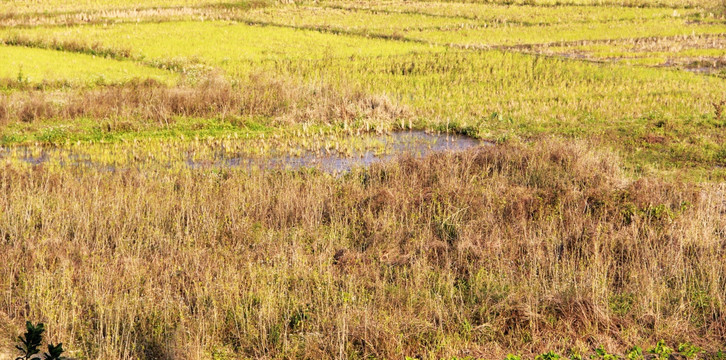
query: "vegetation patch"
590, 226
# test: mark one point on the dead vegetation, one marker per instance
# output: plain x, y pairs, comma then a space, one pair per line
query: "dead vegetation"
720, 10
675, 43
95, 49
548, 247
622, 49
279, 98
718, 109
214, 11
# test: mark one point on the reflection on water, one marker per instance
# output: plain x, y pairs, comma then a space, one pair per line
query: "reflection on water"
414, 143
378, 148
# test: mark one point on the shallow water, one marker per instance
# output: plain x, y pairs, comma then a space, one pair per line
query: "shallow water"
413, 143
702, 70
377, 148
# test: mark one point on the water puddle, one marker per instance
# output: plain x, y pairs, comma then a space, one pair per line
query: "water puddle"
331, 155
702, 70
384, 148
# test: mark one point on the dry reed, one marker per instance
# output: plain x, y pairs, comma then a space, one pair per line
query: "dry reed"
510, 248
276, 97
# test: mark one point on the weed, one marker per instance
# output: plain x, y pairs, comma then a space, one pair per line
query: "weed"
635, 353
689, 350
550, 355
54, 352
21, 79
29, 343
718, 110
601, 353
661, 350
547, 240
622, 304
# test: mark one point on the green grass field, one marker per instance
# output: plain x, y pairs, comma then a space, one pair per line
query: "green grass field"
589, 224
38, 65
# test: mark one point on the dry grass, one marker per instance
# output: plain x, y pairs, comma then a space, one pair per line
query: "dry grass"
95, 49
621, 49
213, 11
510, 248
259, 94
720, 10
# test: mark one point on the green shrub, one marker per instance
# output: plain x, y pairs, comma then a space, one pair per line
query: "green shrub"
29, 344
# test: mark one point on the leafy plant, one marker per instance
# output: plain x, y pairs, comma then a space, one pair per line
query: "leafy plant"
661, 350
688, 349
600, 353
29, 344
54, 352
22, 79
550, 355
30, 341
635, 353
512, 357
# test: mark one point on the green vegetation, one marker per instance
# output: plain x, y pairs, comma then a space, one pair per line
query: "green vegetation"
234, 47
29, 344
590, 225
38, 66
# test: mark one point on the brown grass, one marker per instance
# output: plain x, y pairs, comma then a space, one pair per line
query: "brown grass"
214, 11
96, 49
282, 99
720, 9
507, 249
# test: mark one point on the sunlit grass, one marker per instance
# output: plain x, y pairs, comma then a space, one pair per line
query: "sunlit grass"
498, 95
514, 35
492, 13
235, 263
228, 45
134, 229
11, 7
624, 3
39, 65
668, 51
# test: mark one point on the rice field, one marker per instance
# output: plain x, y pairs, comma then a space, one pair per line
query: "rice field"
504, 179
35, 66
19, 7
234, 47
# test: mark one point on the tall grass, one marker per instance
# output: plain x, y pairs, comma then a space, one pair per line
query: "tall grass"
260, 94
534, 248
548, 245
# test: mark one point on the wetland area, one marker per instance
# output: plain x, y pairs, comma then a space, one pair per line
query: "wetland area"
363, 179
